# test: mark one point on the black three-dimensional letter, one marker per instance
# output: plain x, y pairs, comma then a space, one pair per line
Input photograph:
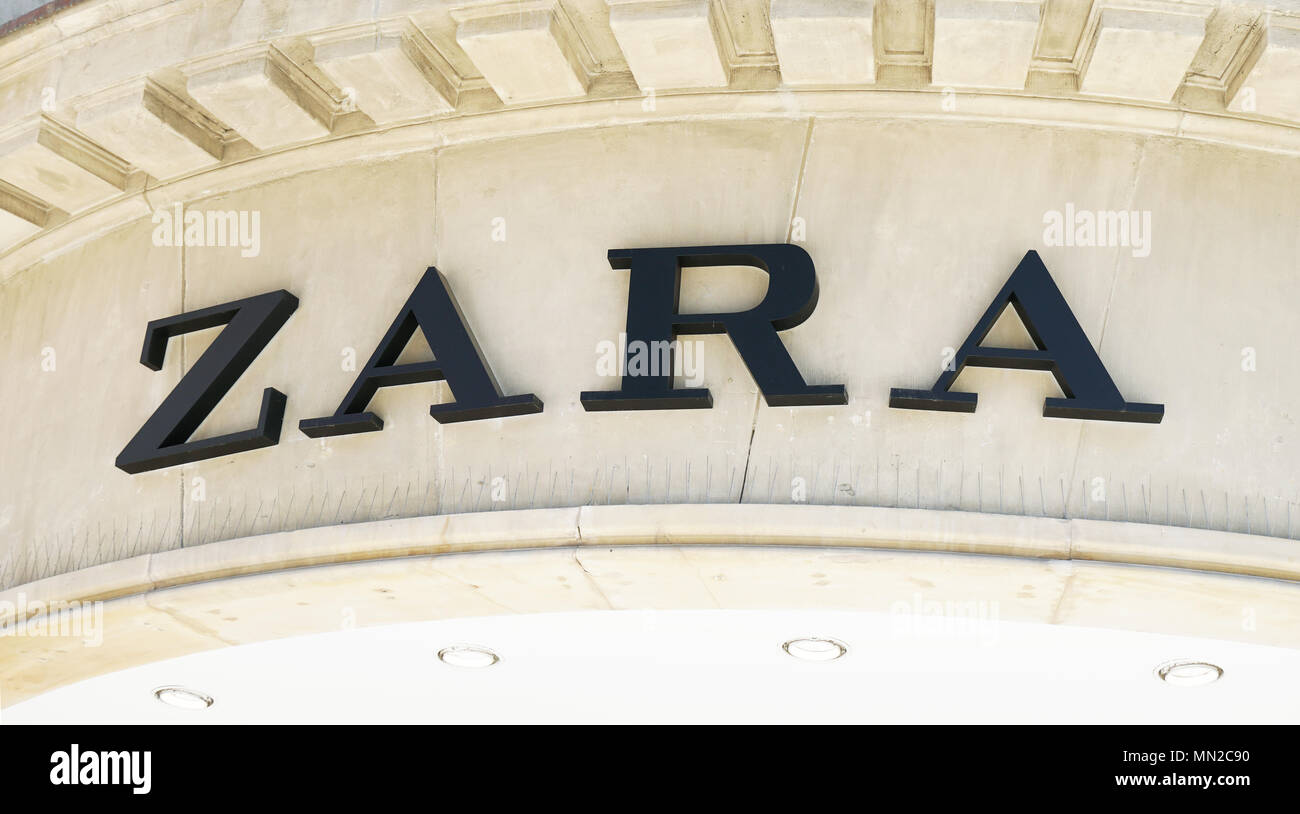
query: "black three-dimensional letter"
457, 359
1062, 348
250, 324
652, 317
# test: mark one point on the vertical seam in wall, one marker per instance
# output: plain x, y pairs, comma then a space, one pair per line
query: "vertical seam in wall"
144, 196
437, 445
699, 577
1058, 606
180, 483
749, 449
798, 181
591, 578
1114, 280
1105, 318
180, 537
789, 233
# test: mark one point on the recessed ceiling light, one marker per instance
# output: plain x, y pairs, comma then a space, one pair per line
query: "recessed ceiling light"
468, 655
182, 698
815, 648
1186, 673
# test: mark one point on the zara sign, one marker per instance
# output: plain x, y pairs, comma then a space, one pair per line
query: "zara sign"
653, 316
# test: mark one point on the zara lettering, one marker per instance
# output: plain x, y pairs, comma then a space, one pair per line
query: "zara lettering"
653, 316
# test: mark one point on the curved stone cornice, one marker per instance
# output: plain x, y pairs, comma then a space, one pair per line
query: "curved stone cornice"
106, 99
850, 527
1041, 570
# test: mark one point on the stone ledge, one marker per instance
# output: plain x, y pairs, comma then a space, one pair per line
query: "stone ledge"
165, 622
854, 527
242, 169
453, 60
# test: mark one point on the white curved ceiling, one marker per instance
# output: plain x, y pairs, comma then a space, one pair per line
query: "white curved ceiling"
700, 666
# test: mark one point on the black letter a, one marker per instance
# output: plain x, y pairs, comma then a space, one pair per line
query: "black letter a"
1062, 348
433, 310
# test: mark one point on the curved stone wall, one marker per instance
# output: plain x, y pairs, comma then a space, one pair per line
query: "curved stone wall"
512, 145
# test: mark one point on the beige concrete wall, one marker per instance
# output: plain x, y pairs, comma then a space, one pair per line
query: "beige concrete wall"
915, 198
913, 226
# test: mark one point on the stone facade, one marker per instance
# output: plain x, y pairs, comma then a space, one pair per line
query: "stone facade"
916, 150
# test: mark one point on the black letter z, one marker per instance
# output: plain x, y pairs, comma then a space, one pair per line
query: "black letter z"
250, 324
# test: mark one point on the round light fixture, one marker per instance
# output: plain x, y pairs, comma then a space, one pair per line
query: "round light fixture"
815, 648
470, 656
182, 698
1185, 673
